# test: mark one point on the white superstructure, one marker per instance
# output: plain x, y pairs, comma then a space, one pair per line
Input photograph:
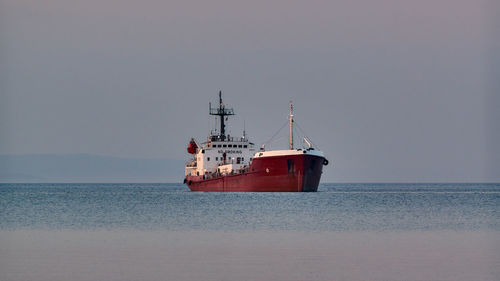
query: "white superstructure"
221, 156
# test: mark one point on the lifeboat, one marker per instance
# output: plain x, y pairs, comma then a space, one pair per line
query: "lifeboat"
192, 147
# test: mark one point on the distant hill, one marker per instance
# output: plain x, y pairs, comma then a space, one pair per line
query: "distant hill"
87, 168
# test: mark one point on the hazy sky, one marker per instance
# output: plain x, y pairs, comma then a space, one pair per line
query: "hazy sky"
390, 90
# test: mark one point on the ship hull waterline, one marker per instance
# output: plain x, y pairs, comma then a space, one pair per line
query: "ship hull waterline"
290, 173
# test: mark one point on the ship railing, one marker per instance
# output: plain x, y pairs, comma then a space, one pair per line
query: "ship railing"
191, 164
217, 174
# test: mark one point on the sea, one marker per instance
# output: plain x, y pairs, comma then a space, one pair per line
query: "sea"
163, 231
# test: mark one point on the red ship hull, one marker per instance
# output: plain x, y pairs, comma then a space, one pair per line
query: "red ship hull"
285, 173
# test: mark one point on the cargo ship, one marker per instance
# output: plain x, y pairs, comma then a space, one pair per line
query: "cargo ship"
227, 163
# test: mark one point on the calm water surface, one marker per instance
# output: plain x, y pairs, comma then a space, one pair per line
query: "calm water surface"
335, 207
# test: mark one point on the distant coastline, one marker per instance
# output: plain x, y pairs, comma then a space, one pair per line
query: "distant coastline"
83, 168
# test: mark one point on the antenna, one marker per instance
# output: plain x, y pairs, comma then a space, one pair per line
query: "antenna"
244, 133
221, 112
290, 117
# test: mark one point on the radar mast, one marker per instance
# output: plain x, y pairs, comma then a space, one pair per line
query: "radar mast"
221, 111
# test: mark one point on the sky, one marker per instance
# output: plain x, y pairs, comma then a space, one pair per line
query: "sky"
389, 90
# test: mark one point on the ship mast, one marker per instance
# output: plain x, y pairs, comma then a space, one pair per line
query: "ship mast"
221, 112
290, 117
